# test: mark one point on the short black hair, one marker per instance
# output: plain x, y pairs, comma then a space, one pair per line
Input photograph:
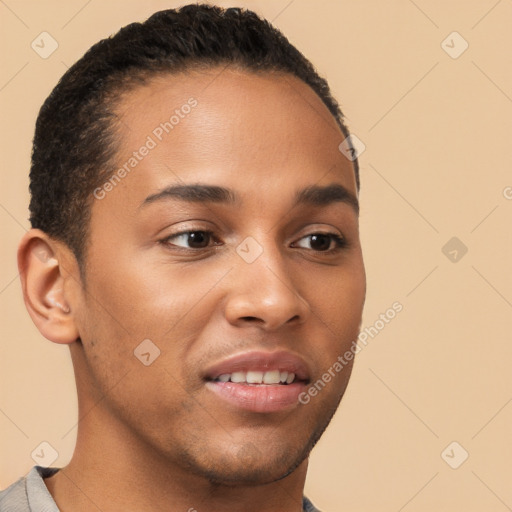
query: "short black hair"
75, 143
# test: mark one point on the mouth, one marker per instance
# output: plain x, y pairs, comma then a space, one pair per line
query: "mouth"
255, 377
262, 382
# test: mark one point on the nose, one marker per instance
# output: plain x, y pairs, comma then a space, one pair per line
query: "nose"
264, 294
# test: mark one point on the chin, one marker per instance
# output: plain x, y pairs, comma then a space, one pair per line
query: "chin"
252, 456
257, 474
245, 464
251, 465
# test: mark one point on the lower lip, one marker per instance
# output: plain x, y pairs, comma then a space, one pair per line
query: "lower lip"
258, 398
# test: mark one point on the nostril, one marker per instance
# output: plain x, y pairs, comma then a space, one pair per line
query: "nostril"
251, 319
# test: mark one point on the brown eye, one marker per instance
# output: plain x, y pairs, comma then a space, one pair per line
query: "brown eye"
190, 239
321, 242
198, 239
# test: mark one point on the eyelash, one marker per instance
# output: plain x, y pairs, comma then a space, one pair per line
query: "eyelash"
339, 241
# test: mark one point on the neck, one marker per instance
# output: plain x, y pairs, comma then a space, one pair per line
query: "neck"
118, 474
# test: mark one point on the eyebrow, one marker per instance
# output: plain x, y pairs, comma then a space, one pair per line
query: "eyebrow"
314, 195
327, 194
196, 193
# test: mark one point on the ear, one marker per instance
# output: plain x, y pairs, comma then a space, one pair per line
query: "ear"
41, 263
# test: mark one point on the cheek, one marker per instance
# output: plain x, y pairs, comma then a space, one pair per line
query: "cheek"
132, 300
341, 295
129, 304
338, 309
134, 358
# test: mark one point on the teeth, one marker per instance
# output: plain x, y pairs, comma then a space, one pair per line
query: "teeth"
254, 377
257, 377
272, 377
238, 377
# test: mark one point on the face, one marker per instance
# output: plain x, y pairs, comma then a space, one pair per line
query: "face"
231, 246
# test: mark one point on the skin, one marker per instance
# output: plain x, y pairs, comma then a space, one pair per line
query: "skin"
151, 437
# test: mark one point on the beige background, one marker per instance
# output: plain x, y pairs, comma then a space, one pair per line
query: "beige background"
437, 165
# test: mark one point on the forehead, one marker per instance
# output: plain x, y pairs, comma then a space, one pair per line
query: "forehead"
224, 124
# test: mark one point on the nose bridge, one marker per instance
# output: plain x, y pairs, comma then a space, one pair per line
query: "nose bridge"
262, 287
270, 269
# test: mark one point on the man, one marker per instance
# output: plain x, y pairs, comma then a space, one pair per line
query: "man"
195, 244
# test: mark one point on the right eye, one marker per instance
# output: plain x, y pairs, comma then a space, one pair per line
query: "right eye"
190, 239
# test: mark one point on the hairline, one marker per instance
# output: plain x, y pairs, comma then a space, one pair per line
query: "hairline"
123, 85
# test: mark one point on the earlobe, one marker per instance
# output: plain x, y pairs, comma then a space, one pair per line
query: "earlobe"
43, 283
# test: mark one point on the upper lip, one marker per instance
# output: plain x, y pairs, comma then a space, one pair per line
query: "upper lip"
281, 360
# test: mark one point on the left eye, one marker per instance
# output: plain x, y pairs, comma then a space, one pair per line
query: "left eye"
190, 239
321, 242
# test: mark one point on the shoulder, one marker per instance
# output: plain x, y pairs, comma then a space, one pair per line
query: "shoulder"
29, 493
14, 498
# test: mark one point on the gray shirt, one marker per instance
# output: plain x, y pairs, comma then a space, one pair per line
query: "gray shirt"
30, 494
